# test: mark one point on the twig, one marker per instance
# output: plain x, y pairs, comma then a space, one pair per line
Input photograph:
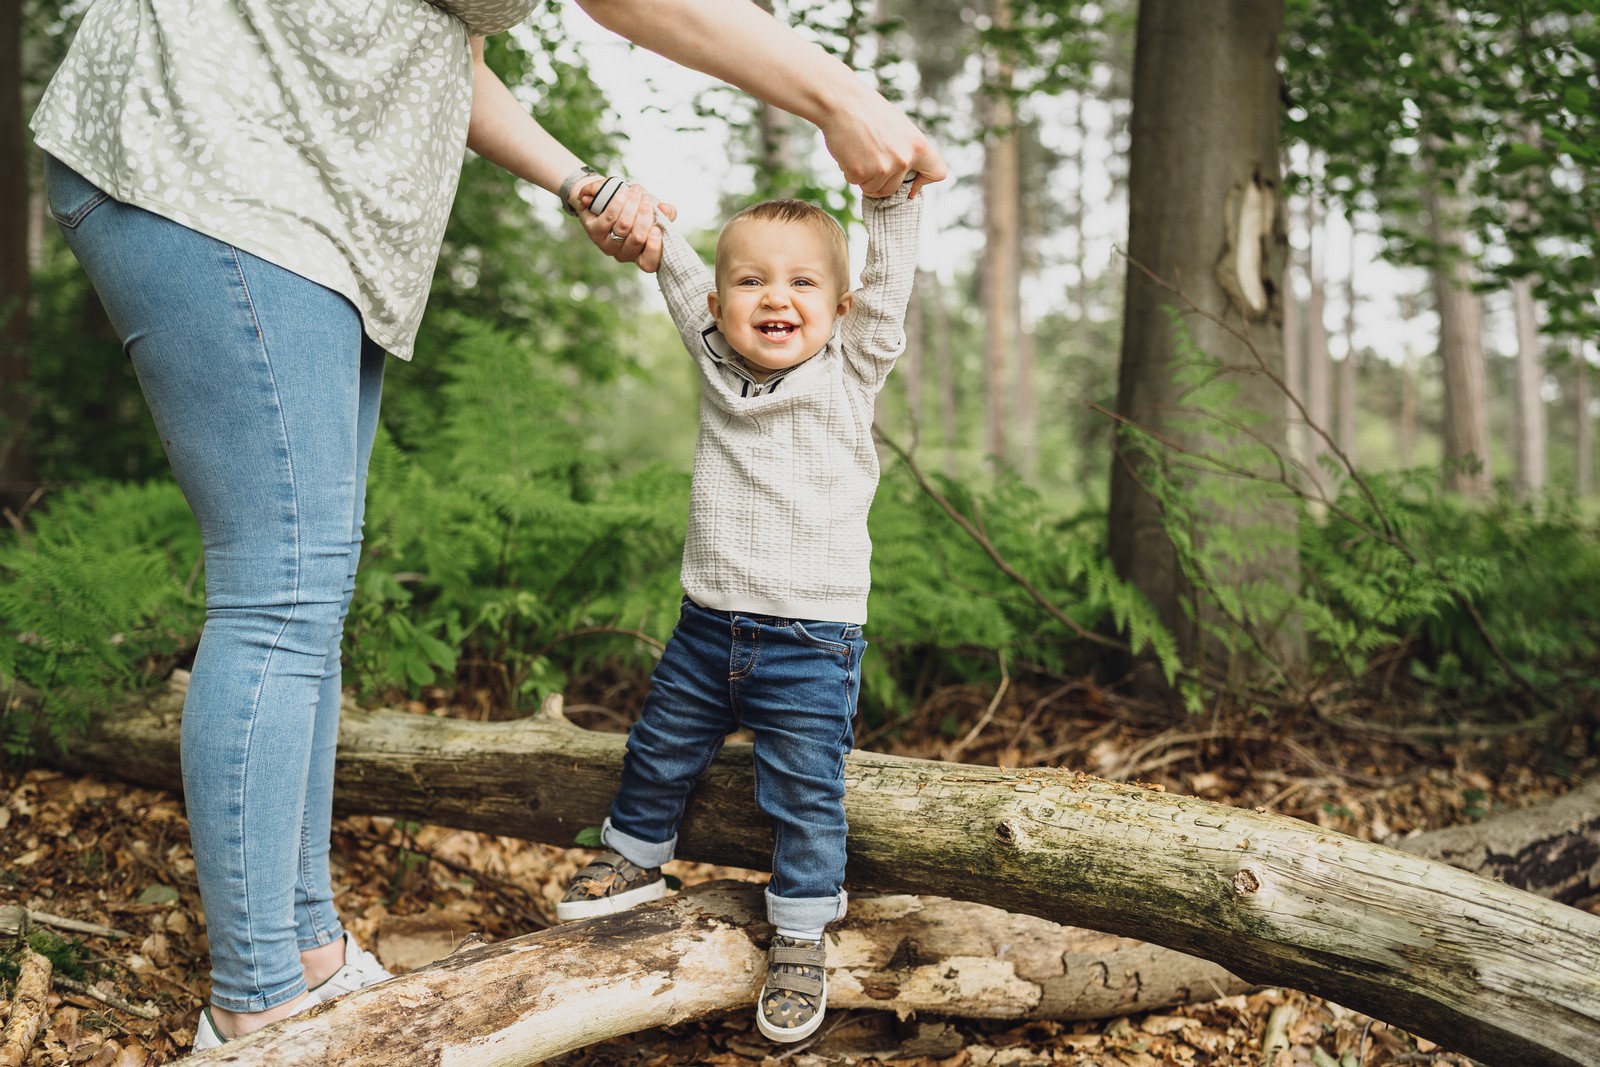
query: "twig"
589, 631
977, 534
145, 1011
1356, 479
1277, 1035
14, 918
532, 918
27, 1009
988, 714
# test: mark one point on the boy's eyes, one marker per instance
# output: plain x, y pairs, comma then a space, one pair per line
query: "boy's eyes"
805, 283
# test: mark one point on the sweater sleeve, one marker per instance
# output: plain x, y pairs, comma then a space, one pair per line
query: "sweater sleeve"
874, 333
685, 280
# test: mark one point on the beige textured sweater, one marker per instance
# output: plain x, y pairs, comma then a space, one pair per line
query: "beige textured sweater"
785, 470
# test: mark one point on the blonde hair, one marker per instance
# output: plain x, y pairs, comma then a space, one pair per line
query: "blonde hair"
804, 213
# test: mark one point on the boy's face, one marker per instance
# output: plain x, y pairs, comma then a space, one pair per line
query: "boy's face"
776, 299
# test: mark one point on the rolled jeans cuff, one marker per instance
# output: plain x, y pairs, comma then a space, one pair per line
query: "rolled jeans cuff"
642, 853
805, 913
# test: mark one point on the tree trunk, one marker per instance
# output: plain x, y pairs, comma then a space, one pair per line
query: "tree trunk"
1028, 266
1583, 475
1319, 369
1490, 971
1079, 223
915, 357
18, 475
1532, 434
946, 373
1001, 255
704, 952
1205, 214
1550, 849
1349, 392
1294, 353
1466, 402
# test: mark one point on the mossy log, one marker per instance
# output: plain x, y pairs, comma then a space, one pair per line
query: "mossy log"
1482, 968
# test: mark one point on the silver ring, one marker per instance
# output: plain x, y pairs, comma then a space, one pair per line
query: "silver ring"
613, 236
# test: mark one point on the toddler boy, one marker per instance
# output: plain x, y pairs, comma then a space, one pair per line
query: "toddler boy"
776, 566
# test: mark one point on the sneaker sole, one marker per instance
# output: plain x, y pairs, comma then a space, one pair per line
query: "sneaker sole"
787, 1034
570, 910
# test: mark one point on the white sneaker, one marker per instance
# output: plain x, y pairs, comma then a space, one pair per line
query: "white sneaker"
205, 1032
207, 1036
361, 969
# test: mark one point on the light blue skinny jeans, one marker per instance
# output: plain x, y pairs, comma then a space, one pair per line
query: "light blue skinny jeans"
265, 393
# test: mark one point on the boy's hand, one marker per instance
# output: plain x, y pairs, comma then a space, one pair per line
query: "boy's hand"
626, 230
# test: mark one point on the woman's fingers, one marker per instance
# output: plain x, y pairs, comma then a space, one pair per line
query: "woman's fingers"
626, 230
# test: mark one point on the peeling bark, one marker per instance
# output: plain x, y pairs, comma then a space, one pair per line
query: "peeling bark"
28, 1009
702, 953
1481, 967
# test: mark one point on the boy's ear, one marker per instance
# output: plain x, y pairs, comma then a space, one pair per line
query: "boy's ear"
714, 305
845, 303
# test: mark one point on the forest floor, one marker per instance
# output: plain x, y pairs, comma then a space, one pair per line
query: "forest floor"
107, 853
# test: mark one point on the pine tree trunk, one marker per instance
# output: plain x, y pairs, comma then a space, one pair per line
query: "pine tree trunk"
1319, 368
1466, 401
1532, 431
1583, 441
1079, 224
1488, 970
1001, 197
910, 365
1294, 349
945, 372
1206, 215
1349, 370
18, 474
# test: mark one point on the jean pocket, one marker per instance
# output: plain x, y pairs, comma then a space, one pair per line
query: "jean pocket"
828, 636
69, 195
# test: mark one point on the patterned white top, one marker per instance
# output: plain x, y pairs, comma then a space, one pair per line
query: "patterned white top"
325, 136
785, 470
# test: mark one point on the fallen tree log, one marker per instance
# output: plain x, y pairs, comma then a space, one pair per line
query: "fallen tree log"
1550, 849
702, 953
1475, 965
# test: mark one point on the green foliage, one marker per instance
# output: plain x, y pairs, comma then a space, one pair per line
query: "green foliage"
1467, 590
509, 533
1392, 570
97, 599
1494, 100
942, 609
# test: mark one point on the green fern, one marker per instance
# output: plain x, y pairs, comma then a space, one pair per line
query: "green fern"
98, 598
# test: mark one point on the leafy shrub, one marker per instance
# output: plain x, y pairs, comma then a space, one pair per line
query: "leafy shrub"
97, 598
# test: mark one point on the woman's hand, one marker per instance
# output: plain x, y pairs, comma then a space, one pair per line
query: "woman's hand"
876, 146
874, 143
631, 216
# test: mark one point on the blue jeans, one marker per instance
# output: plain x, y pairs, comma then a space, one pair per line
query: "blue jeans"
265, 393
794, 684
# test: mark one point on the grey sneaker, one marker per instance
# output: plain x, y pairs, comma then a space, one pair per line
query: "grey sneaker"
795, 995
609, 884
361, 969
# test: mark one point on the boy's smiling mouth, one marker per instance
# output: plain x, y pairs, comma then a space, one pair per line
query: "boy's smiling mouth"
777, 331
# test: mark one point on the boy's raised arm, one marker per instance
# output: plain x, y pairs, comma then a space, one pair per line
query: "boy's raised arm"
685, 280
874, 333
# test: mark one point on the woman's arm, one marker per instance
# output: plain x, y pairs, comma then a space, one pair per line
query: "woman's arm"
872, 140
503, 132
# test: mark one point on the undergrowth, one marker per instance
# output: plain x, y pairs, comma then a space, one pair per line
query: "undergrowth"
512, 552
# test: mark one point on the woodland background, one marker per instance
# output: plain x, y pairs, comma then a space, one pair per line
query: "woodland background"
1207, 512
